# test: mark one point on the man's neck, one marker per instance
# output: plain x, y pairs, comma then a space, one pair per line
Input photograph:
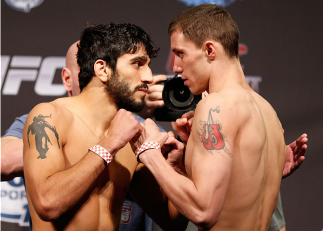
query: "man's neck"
225, 74
96, 107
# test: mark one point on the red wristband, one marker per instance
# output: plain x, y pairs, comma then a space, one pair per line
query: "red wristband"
101, 151
145, 146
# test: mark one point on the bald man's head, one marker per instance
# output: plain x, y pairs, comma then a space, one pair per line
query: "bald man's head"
71, 71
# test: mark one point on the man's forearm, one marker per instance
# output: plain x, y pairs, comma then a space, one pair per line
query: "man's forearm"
64, 189
11, 158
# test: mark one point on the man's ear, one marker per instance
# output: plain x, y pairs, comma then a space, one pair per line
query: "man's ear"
67, 79
210, 49
102, 70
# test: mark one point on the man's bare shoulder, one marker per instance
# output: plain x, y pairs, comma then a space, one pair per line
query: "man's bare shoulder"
58, 107
216, 116
264, 105
54, 113
223, 98
227, 102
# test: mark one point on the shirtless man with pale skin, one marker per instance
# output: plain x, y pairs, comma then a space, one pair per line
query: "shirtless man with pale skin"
235, 152
70, 187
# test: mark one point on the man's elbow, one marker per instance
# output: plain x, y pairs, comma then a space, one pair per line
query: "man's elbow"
205, 220
47, 210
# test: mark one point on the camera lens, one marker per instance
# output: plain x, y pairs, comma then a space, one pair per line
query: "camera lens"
177, 96
180, 96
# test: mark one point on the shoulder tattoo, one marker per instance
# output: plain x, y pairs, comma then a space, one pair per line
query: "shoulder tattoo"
210, 133
37, 128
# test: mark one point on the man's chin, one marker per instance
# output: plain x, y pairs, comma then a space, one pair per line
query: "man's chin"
135, 106
140, 103
139, 107
196, 91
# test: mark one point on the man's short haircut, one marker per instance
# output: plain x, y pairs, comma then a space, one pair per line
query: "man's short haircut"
108, 42
208, 21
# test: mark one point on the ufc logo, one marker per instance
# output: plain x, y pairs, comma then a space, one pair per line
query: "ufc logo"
34, 69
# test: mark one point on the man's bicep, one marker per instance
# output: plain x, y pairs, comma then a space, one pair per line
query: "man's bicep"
43, 154
211, 173
215, 128
209, 170
212, 149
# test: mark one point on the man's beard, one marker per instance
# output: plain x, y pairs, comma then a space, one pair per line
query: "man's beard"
120, 92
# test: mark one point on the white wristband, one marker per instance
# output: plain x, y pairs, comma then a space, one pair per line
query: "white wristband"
101, 151
145, 146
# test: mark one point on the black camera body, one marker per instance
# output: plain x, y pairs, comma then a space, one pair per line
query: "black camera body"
178, 99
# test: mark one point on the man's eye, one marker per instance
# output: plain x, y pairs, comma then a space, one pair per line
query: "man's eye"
179, 54
137, 64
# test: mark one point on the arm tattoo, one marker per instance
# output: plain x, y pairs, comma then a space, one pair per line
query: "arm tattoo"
210, 134
37, 128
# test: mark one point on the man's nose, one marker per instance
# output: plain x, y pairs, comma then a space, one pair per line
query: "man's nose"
176, 67
147, 76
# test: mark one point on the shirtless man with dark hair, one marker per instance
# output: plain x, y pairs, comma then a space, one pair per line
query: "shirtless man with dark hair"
87, 164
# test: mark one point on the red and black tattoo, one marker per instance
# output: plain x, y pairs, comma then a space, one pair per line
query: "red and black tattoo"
211, 135
37, 128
